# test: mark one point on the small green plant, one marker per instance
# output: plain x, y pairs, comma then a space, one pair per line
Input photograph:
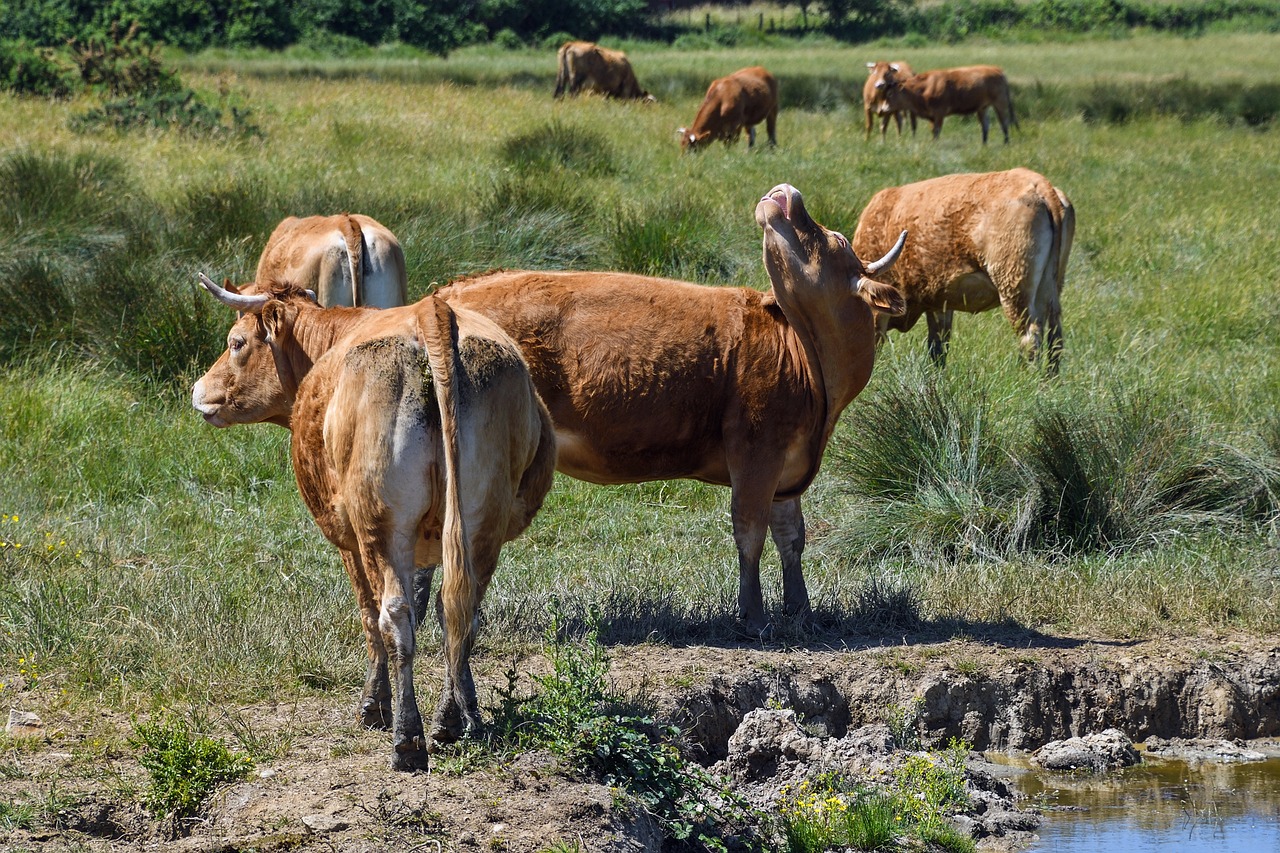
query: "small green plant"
932, 786
904, 723
185, 766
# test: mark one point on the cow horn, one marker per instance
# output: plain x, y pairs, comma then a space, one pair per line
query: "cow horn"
238, 301
889, 258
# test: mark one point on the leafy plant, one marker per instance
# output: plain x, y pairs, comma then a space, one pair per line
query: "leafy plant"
185, 766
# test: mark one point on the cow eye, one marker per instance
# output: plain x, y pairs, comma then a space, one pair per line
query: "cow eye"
235, 345
844, 244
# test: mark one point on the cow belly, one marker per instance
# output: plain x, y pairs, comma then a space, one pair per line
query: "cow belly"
973, 293
584, 460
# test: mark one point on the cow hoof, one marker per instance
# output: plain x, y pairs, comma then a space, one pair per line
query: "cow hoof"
411, 755
756, 631
375, 717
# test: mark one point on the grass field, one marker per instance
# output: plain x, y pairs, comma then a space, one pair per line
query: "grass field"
147, 555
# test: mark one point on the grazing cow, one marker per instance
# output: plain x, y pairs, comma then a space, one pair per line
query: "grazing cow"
599, 69
880, 75
977, 241
348, 259
936, 94
416, 431
742, 100
654, 379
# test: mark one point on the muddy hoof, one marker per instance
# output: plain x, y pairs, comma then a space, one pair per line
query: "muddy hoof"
375, 717
410, 755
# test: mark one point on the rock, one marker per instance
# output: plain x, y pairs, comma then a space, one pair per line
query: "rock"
24, 724
1191, 749
323, 823
1107, 750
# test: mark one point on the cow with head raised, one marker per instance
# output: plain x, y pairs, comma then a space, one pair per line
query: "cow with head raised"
934, 95
417, 438
585, 65
977, 241
875, 99
348, 259
734, 103
654, 379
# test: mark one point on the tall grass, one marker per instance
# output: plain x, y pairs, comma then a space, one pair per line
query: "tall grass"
1136, 494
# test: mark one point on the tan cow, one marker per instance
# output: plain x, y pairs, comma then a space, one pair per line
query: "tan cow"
348, 259
607, 72
654, 379
875, 101
415, 431
977, 241
742, 100
934, 95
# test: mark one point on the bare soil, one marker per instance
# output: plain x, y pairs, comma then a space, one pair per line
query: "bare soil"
331, 789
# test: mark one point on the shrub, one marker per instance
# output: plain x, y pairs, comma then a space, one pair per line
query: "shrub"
185, 766
184, 111
29, 70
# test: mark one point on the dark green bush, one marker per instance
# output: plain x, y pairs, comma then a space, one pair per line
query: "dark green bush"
185, 766
184, 111
29, 70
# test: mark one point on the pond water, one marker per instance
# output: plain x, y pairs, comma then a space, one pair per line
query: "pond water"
1159, 807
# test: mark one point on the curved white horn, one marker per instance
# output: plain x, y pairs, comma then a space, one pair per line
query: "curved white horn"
892, 256
238, 301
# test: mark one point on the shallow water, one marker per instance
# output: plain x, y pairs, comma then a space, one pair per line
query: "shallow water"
1159, 807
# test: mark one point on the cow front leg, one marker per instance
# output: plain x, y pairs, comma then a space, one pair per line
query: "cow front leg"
750, 507
751, 137
984, 119
786, 523
939, 335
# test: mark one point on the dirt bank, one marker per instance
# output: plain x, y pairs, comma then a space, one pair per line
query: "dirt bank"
330, 789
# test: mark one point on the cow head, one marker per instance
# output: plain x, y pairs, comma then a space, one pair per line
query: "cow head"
690, 140
806, 261
253, 381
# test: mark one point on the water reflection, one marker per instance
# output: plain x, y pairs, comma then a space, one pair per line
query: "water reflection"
1159, 807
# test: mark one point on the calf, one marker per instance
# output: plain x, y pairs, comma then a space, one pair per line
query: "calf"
417, 437
742, 100
977, 241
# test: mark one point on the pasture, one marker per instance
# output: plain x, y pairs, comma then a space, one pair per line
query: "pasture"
148, 558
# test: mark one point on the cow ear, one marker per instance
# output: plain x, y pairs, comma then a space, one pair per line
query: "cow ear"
894, 66
870, 65
680, 131
227, 285
275, 319
882, 297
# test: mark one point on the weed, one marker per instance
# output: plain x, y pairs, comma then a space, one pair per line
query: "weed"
184, 766
904, 723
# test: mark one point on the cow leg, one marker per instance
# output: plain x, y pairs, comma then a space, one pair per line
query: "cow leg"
396, 624
422, 580
897, 119
939, 335
751, 137
870, 123
375, 698
937, 127
786, 523
771, 127
985, 120
913, 124
749, 509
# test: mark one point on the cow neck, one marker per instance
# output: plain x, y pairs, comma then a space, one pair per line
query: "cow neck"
313, 336
828, 347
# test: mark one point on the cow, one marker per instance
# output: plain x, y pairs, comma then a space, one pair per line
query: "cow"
599, 69
655, 379
745, 98
936, 94
977, 241
417, 438
348, 259
876, 103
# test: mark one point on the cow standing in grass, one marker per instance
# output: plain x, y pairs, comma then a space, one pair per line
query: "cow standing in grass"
875, 100
348, 259
585, 65
417, 438
733, 104
977, 241
934, 95
654, 379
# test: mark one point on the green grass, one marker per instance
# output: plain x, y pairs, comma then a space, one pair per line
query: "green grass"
191, 569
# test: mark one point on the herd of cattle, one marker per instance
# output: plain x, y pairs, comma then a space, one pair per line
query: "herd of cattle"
428, 434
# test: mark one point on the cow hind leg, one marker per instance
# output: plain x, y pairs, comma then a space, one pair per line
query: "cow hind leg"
786, 523
375, 699
985, 120
751, 136
750, 508
396, 624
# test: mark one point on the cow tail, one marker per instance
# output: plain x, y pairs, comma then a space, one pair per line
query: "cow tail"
355, 257
458, 588
562, 72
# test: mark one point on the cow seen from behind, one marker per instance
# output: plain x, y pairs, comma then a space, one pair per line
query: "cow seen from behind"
655, 379
417, 438
977, 241
733, 104
348, 259
934, 95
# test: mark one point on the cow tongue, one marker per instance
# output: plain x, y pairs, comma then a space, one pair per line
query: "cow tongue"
782, 199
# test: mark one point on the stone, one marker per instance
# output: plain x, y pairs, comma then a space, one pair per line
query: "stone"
24, 724
1107, 750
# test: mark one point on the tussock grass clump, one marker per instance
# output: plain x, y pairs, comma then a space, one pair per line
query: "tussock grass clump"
557, 145
675, 239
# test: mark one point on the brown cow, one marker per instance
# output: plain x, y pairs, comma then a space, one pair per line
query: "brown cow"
876, 103
936, 94
977, 241
599, 69
348, 259
742, 100
654, 379
415, 431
